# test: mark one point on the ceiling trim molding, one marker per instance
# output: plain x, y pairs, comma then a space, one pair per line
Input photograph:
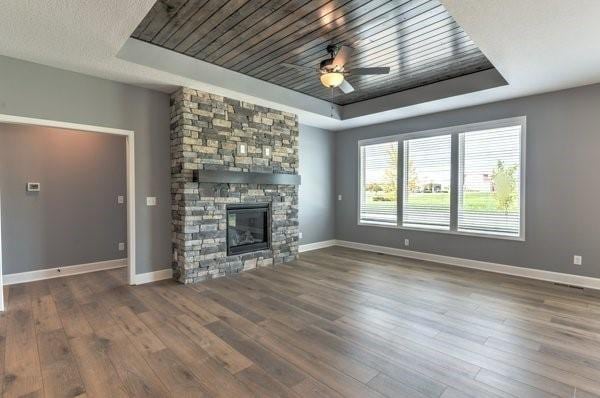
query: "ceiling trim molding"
473, 82
312, 111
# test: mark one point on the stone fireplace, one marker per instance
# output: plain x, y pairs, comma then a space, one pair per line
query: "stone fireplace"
234, 185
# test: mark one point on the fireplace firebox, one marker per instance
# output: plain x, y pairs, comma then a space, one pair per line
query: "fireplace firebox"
248, 228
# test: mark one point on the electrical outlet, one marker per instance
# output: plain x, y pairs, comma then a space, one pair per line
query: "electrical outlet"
120, 199
406, 242
577, 260
300, 235
150, 201
339, 197
121, 246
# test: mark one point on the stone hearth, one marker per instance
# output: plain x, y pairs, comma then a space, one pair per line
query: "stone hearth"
208, 133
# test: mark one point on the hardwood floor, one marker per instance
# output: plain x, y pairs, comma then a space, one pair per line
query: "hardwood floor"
338, 322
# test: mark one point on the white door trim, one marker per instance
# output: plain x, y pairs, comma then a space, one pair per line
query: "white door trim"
129, 134
1, 279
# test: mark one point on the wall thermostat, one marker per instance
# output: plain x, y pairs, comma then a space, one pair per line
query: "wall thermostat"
33, 187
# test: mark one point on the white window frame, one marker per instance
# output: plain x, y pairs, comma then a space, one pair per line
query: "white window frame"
361, 171
454, 131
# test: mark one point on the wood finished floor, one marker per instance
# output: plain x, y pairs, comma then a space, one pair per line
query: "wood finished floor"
338, 322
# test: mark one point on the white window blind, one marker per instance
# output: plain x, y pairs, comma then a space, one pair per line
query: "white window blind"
489, 199
465, 179
426, 171
378, 183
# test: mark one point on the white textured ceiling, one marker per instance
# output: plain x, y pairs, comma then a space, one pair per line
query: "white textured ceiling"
537, 45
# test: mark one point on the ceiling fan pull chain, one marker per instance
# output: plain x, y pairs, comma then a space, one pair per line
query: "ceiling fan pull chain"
332, 102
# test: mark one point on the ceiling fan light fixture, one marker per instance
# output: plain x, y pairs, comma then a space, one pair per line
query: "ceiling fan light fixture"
332, 79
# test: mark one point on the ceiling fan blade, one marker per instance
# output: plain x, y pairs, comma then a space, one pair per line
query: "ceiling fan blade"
342, 57
369, 71
300, 67
346, 87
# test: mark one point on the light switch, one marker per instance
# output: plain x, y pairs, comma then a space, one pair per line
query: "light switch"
150, 201
339, 197
120, 199
267, 151
121, 246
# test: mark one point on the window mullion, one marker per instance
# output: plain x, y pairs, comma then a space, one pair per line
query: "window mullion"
361, 182
454, 170
400, 183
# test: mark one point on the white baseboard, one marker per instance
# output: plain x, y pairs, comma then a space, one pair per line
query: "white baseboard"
317, 245
549, 276
155, 276
30, 276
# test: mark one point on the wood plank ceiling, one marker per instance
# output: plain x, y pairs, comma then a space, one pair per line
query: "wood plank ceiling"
417, 39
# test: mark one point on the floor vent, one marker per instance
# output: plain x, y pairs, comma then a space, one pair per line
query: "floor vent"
571, 286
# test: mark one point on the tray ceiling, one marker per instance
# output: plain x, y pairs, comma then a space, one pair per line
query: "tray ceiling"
417, 39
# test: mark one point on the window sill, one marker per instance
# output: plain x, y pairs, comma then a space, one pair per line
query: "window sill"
443, 231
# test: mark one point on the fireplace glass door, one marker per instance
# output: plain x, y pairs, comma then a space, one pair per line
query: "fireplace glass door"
248, 228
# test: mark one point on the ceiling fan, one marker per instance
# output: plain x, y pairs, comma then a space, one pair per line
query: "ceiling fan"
332, 71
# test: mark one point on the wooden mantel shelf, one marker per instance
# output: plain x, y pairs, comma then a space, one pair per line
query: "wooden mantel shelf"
244, 177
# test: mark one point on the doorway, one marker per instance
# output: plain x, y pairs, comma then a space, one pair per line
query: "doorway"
130, 181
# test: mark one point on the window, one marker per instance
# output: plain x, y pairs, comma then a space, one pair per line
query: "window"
379, 183
426, 200
489, 181
464, 179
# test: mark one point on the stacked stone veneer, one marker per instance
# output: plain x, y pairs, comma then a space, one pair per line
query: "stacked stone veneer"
205, 132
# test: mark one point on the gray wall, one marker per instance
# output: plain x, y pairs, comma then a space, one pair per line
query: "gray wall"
32, 90
562, 180
563, 184
317, 191
75, 218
